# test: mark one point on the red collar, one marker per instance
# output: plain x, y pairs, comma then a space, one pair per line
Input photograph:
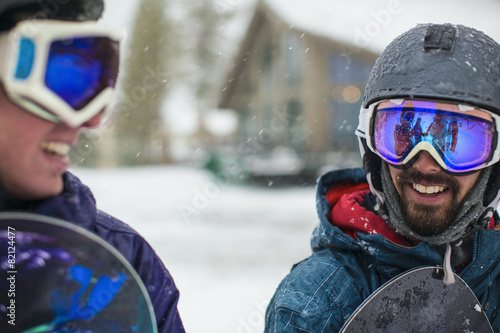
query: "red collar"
352, 218
348, 215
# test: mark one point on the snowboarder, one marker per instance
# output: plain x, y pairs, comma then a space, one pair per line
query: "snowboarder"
58, 69
430, 207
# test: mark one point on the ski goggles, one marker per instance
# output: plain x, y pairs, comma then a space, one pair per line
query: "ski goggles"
60, 71
461, 138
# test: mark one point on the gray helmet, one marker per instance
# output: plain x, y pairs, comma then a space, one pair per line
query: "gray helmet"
445, 62
436, 61
13, 11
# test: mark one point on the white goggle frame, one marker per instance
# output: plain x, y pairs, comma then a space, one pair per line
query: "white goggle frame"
365, 131
31, 93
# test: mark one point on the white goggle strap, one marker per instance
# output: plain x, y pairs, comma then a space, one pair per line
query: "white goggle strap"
5, 50
364, 122
364, 130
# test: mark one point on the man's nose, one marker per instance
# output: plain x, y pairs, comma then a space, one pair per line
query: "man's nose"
426, 164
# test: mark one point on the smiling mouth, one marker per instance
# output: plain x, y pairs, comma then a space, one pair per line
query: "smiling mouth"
56, 149
428, 189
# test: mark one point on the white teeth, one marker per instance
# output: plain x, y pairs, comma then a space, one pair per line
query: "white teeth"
428, 189
56, 148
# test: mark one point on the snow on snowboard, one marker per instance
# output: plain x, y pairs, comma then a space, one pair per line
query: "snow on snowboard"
57, 277
420, 301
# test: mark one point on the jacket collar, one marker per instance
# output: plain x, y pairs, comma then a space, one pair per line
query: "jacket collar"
75, 204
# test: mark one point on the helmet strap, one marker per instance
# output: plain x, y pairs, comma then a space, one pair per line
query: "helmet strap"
371, 165
492, 195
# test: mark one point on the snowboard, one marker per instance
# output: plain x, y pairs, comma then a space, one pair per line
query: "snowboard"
60, 278
419, 301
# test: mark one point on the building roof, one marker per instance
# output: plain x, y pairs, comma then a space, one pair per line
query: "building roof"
373, 24
365, 24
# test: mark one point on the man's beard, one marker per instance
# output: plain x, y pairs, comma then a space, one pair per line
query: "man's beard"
427, 220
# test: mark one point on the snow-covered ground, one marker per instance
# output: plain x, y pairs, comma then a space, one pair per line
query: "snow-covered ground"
227, 246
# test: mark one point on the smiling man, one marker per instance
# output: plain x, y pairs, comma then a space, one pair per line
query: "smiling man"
58, 70
429, 198
428, 191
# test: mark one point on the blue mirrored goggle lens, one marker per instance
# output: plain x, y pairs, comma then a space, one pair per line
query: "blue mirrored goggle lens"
463, 141
79, 69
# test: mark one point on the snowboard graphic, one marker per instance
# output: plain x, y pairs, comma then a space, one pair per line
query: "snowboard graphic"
419, 301
57, 277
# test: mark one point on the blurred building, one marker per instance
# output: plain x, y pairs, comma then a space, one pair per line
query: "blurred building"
299, 77
298, 94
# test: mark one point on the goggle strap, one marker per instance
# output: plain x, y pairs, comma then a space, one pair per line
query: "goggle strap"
4, 48
364, 122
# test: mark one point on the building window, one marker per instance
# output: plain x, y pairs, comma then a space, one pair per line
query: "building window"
293, 59
295, 125
348, 77
267, 66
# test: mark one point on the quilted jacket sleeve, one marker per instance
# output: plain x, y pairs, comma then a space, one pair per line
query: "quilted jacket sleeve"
161, 288
155, 276
317, 296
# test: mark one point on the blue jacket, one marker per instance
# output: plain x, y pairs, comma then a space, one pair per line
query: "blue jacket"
321, 292
77, 205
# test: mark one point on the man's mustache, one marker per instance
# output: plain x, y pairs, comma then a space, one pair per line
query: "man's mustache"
414, 176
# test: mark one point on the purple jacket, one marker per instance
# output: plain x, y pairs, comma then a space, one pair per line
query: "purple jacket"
77, 205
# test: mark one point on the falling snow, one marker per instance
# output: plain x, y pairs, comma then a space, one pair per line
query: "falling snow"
228, 257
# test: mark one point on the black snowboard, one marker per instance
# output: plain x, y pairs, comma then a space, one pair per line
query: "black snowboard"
57, 277
419, 301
